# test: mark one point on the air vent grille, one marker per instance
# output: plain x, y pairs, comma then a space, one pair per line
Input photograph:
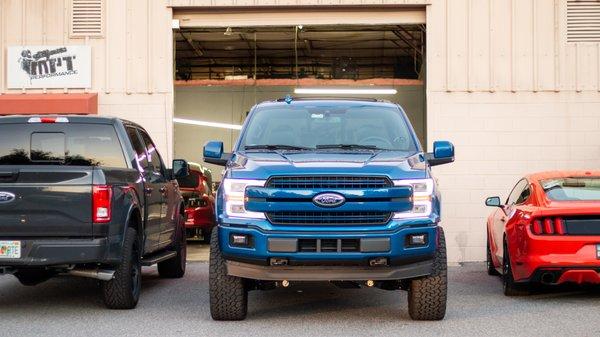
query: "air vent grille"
86, 17
583, 21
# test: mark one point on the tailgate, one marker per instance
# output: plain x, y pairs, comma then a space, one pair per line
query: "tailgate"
45, 201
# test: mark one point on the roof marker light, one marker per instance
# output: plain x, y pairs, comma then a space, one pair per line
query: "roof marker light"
346, 91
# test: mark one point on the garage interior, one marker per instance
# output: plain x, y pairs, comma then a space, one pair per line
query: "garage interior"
220, 73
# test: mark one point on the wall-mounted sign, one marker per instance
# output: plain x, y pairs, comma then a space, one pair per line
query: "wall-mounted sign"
40, 67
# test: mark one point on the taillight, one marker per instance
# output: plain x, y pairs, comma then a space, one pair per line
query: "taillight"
536, 227
559, 226
101, 203
548, 226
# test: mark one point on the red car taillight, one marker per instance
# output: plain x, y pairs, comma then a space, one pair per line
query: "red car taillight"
536, 227
101, 203
548, 226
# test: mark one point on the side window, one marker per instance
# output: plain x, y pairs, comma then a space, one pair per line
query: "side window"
138, 147
515, 194
153, 155
524, 195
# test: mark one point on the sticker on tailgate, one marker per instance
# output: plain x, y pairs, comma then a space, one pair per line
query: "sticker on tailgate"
10, 249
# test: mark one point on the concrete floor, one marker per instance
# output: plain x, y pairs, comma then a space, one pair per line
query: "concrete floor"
197, 251
476, 307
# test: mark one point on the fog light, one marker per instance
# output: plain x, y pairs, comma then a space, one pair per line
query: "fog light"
240, 240
416, 240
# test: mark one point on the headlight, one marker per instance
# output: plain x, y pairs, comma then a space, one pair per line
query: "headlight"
422, 194
235, 190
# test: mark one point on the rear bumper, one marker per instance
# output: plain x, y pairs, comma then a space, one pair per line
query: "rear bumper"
201, 217
328, 273
557, 254
561, 275
51, 252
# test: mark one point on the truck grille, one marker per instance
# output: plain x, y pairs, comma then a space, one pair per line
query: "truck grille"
328, 245
332, 182
328, 218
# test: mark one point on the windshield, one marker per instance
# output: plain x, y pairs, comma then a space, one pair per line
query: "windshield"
301, 127
572, 189
60, 144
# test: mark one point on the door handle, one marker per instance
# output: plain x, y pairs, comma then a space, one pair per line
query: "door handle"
163, 190
149, 190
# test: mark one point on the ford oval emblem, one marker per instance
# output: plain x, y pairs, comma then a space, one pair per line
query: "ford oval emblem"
329, 200
6, 197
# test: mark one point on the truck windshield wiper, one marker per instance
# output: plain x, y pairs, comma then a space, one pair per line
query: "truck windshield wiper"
275, 147
348, 146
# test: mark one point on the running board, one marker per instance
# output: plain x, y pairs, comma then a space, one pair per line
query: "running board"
156, 258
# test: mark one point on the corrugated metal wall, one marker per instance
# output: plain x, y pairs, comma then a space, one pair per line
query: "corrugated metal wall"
131, 62
507, 45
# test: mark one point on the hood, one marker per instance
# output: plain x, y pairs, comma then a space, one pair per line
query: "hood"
394, 164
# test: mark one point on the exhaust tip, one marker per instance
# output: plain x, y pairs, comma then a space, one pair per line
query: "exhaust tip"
548, 278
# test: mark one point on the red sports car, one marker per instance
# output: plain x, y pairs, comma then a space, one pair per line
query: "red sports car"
547, 231
199, 202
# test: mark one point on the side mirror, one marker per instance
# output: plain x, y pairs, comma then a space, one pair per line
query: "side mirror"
493, 202
213, 153
180, 169
443, 153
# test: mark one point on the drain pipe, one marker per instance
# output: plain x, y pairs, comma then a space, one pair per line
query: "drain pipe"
98, 274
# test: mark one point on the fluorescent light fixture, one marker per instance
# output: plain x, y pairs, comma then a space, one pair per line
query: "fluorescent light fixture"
209, 124
346, 91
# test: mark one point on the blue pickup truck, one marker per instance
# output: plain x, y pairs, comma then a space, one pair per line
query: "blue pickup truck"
335, 190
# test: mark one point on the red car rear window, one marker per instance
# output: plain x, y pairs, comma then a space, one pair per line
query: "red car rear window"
572, 188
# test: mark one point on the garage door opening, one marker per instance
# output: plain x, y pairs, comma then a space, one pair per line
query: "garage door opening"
220, 72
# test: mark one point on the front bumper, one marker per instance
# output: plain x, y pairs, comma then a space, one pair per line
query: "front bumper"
52, 252
328, 273
388, 242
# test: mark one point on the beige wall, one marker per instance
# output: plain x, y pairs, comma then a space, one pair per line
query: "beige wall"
514, 97
229, 104
131, 63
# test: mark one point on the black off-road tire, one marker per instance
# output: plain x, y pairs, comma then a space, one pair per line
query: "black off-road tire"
33, 277
228, 294
509, 286
427, 295
491, 270
175, 266
123, 291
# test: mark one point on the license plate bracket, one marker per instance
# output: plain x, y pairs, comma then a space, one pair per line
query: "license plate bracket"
10, 249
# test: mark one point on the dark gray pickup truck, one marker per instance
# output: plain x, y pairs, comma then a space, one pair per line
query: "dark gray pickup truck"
91, 197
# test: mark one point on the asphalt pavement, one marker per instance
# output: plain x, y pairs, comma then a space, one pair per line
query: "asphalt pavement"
69, 306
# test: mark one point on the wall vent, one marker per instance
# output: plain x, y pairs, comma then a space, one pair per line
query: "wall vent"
583, 21
86, 18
